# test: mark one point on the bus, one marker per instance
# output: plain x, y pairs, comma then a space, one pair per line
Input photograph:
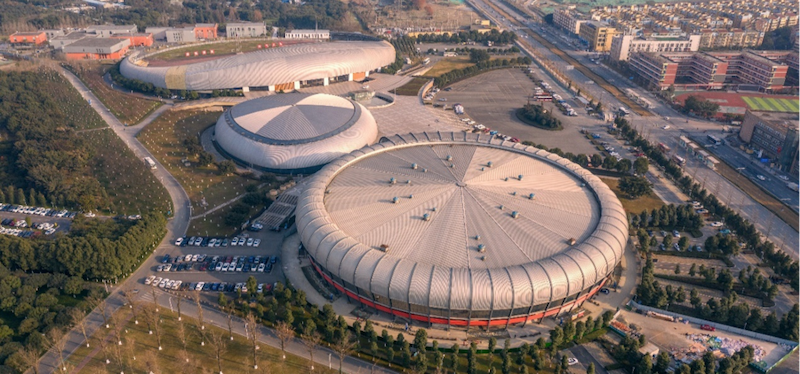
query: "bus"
149, 162
714, 140
543, 97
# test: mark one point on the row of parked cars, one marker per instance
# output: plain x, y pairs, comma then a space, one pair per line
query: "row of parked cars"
199, 241
16, 226
37, 211
177, 285
203, 262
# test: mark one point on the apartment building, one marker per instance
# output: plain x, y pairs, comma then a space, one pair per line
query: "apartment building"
245, 29
622, 46
598, 35
308, 34
569, 20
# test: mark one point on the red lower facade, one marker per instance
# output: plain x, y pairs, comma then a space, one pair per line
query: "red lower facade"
460, 322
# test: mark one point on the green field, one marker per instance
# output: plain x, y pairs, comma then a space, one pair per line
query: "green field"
771, 104
224, 48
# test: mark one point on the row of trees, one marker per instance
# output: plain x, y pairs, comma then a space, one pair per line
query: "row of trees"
493, 51
779, 261
494, 36
698, 106
668, 217
459, 74
539, 116
9, 195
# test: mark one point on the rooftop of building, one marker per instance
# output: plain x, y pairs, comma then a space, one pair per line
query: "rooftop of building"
111, 27
310, 31
778, 119
96, 43
28, 33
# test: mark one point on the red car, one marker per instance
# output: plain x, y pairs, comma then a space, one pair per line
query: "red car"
708, 328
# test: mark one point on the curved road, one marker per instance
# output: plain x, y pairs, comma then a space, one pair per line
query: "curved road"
176, 227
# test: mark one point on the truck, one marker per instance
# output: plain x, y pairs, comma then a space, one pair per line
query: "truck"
678, 160
792, 186
149, 162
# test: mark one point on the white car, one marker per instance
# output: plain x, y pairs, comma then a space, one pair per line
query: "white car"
195, 257
177, 285
149, 280
218, 267
260, 287
256, 242
761, 177
178, 241
665, 127
249, 242
783, 177
156, 282
187, 258
225, 267
572, 361
211, 243
716, 224
199, 286
235, 241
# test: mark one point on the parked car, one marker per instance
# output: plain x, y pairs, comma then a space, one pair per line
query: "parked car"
708, 328
716, 224
256, 243
179, 241
249, 242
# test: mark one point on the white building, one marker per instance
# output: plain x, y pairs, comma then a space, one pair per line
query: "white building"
308, 34
105, 31
623, 46
568, 20
245, 29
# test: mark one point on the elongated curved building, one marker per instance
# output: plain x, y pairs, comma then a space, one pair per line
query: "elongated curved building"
461, 229
276, 69
294, 132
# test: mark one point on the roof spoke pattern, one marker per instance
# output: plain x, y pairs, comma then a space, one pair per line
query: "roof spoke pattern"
443, 233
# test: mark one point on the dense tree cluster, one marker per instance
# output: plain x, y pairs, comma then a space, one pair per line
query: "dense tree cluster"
668, 217
494, 36
459, 74
779, 261
634, 187
778, 39
478, 55
698, 106
540, 116
404, 45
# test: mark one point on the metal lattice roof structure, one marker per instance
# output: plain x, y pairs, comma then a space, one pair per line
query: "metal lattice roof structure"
461, 221
266, 67
295, 131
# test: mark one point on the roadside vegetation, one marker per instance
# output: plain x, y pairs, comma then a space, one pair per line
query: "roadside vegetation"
174, 139
537, 116
56, 146
483, 66
647, 201
129, 109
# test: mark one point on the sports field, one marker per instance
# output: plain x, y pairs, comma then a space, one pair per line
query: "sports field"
772, 104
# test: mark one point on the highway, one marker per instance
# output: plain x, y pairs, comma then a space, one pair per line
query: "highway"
653, 127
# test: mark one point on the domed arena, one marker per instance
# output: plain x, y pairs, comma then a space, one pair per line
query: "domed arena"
461, 229
295, 132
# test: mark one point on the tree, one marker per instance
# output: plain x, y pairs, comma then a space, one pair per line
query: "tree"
253, 334
693, 270
590, 369
344, 347
697, 105
311, 342
641, 165
634, 187
196, 296
421, 340
284, 331
677, 269
226, 167
556, 336
205, 158
597, 160
478, 55
219, 344
77, 315
683, 243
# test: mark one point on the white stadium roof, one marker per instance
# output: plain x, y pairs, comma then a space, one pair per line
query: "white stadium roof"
294, 132
464, 234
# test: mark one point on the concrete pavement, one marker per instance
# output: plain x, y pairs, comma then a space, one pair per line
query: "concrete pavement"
176, 226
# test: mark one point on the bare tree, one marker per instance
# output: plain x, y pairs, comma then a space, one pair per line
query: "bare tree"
149, 314
200, 334
219, 344
117, 328
130, 349
182, 338
284, 332
103, 342
78, 318
151, 362
30, 356
155, 298
55, 341
178, 301
230, 324
196, 297
344, 347
119, 357
157, 328
100, 303
311, 341
130, 298
253, 334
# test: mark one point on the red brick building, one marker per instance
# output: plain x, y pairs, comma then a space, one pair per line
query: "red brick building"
137, 39
205, 31
35, 38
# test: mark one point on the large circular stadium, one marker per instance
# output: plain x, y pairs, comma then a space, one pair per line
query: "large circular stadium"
461, 229
294, 132
274, 69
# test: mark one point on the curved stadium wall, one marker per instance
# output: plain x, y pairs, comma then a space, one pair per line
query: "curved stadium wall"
491, 296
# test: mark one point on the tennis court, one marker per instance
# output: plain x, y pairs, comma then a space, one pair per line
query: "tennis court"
772, 104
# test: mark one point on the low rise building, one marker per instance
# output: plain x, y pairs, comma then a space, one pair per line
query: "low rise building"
622, 46
308, 34
189, 34
28, 38
205, 31
245, 29
105, 31
97, 49
53, 33
774, 135
59, 42
139, 39
598, 35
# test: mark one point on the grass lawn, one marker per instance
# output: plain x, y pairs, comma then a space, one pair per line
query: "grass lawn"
412, 87
649, 201
231, 47
212, 225
448, 64
772, 104
129, 109
137, 342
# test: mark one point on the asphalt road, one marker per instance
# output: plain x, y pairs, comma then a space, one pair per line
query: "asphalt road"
584, 358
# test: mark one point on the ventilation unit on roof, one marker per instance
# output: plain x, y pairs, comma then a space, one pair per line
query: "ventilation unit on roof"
426, 217
514, 214
385, 247
414, 166
433, 209
519, 177
514, 193
572, 241
392, 180
408, 181
411, 196
502, 207
449, 158
395, 200
483, 169
483, 258
531, 196
481, 248
424, 170
489, 164
478, 237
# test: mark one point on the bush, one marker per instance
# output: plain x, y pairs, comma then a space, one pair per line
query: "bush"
536, 115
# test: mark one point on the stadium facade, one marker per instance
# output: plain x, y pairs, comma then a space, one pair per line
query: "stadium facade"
461, 229
293, 132
284, 68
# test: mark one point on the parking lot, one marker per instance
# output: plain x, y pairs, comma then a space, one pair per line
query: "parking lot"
492, 99
15, 224
191, 264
